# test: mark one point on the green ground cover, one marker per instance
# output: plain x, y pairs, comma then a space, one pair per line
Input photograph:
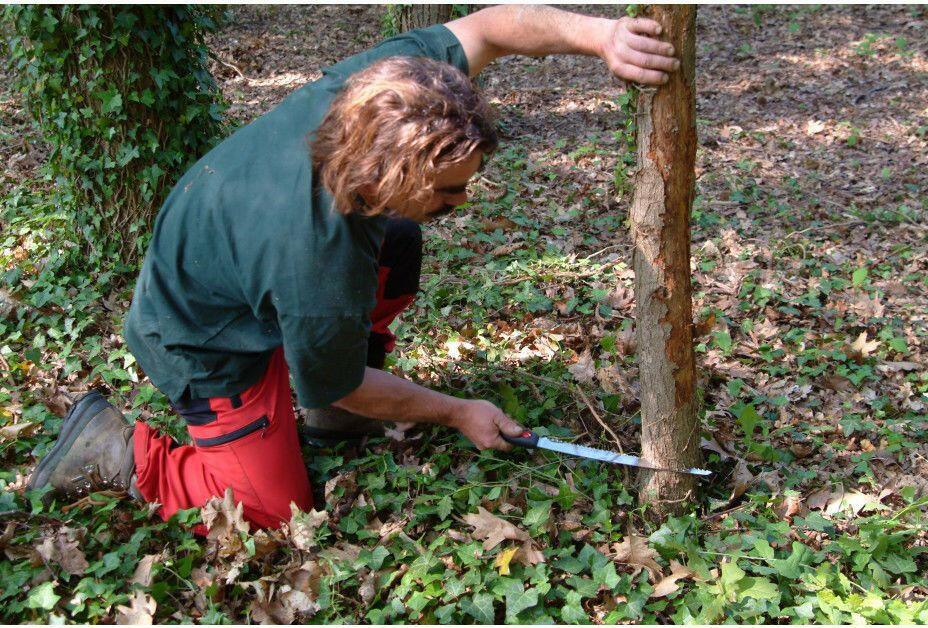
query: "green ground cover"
813, 392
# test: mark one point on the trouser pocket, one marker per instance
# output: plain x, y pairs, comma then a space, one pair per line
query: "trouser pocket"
261, 423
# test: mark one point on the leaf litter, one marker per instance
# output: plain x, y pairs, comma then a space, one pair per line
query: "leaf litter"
830, 357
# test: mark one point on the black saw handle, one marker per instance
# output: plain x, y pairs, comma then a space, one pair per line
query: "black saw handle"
526, 439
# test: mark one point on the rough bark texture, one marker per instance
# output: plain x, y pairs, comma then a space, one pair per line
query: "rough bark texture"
660, 215
410, 16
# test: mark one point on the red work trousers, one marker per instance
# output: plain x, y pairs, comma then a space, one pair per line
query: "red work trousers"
248, 441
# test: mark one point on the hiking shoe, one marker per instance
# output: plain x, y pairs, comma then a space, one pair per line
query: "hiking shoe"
94, 451
328, 426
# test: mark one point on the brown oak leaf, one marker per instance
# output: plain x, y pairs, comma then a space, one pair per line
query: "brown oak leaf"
492, 529
634, 551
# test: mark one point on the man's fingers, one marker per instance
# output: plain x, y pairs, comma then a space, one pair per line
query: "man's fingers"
651, 62
640, 75
502, 445
646, 44
644, 25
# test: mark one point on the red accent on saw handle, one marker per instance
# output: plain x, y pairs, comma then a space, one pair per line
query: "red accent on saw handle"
526, 439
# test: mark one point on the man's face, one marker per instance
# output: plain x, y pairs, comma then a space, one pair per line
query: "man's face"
449, 189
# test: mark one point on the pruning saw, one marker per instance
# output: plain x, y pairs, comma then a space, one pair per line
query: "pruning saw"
531, 440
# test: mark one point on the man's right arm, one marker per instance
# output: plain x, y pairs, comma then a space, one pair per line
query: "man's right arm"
388, 397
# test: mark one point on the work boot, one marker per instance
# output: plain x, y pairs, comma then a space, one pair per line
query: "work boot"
326, 427
94, 451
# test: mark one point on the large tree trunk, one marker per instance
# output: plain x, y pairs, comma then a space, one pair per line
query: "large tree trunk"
660, 214
410, 16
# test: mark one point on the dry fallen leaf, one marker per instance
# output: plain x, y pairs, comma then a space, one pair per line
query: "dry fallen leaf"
142, 574
503, 559
861, 348
668, 584
224, 521
347, 481
837, 383
492, 529
584, 370
742, 479
367, 589
634, 551
838, 500
790, 505
12, 432
287, 596
492, 224
63, 547
714, 445
894, 367
814, 127
703, 327
303, 526
140, 612
528, 555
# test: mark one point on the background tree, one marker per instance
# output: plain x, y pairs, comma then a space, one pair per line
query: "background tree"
660, 215
123, 96
400, 18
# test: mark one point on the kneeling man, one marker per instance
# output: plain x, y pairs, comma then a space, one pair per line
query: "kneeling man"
288, 249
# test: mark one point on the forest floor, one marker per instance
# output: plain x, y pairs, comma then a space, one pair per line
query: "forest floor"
810, 274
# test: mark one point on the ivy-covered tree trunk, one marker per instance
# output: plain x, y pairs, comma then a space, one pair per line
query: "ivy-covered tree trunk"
124, 96
410, 16
660, 215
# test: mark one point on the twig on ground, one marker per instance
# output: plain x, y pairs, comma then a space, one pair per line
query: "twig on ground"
88, 500
606, 427
231, 66
599, 419
603, 250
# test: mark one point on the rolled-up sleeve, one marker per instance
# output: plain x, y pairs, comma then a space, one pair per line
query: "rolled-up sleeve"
327, 356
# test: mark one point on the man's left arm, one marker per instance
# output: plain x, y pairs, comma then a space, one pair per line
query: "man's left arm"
629, 46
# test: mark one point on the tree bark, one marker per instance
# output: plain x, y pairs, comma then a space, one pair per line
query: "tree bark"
660, 214
410, 16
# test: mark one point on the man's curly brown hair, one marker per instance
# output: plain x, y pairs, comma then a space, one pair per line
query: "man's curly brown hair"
394, 123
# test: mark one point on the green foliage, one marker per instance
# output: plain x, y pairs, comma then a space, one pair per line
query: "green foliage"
627, 138
123, 95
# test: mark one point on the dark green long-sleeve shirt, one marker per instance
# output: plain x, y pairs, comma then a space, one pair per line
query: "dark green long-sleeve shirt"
247, 254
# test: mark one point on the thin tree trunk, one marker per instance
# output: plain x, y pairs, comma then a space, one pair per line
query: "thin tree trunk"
410, 16
660, 215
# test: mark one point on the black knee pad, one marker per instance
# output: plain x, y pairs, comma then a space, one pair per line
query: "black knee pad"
402, 254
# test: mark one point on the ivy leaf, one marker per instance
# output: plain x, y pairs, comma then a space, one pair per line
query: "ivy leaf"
894, 563
731, 574
518, 599
43, 597
49, 22
723, 340
859, 276
747, 419
792, 567
572, 612
537, 515
111, 100
607, 576
480, 607
444, 507
758, 588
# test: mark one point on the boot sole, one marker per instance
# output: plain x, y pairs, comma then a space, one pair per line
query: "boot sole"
74, 423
